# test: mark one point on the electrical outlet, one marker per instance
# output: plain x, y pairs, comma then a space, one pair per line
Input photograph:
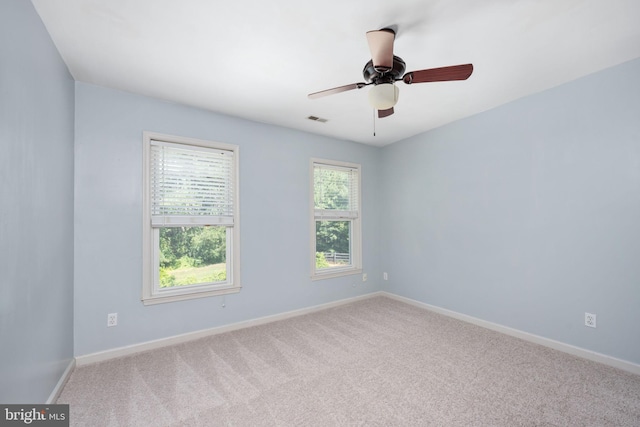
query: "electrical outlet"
590, 320
112, 319
385, 276
364, 277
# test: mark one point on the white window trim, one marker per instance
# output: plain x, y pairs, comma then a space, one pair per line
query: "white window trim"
356, 231
150, 234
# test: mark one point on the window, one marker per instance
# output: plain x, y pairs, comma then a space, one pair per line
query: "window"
190, 219
335, 219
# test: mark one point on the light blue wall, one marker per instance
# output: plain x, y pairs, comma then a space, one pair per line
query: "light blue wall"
36, 208
527, 215
274, 216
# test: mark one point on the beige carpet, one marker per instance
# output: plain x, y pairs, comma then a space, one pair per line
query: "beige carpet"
377, 362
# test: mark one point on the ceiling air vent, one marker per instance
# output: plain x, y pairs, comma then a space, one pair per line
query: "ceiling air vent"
317, 119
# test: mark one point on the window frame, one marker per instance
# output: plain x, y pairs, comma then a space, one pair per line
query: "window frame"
151, 294
355, 228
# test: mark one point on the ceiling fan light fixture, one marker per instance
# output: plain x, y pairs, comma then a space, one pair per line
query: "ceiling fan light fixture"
383, 96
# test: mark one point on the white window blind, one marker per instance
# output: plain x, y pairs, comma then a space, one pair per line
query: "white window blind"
190, 185
335, 192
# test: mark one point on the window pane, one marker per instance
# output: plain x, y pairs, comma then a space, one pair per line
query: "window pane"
335, 188
192, 255
333, 244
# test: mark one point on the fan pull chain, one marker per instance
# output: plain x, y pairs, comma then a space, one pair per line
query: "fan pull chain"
374, 122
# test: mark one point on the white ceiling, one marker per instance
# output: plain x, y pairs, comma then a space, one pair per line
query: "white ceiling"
259, 59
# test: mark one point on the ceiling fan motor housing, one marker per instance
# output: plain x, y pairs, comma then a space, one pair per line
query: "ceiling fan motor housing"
371, 75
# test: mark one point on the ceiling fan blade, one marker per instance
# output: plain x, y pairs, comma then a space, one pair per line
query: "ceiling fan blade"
443, 74
381, 47
336, 90
385, 113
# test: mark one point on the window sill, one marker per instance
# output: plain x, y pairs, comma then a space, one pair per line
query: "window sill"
161, 299
336, 273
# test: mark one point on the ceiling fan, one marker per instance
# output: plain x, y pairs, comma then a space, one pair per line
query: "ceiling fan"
384, 69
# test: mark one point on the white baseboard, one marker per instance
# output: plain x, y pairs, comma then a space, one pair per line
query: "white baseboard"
178, 339
556, 345
61, 382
